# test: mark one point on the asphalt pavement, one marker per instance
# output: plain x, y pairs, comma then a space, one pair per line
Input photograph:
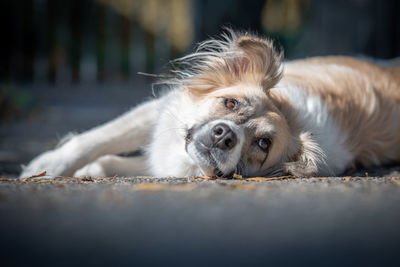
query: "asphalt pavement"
143, 221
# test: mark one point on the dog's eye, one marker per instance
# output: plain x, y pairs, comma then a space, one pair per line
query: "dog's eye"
231, 103
264, 144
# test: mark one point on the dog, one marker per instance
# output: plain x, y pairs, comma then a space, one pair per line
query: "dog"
234, 107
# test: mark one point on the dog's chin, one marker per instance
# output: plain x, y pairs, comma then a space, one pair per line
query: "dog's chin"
207, 171
207, 161
214, 171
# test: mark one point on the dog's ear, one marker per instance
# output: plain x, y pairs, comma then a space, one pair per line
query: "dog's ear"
241, 65
236, 58
256, 46
309, 159
260, 56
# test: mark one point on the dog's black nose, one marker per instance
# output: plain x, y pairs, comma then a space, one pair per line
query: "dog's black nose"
223, 137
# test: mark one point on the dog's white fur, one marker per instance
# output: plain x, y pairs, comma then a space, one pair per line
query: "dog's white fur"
322, 115
314, 115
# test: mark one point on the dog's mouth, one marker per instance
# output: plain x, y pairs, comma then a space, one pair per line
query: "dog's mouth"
215, 172
208, 163
204, 158
211, 171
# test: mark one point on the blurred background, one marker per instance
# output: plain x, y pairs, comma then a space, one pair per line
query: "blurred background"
66, 66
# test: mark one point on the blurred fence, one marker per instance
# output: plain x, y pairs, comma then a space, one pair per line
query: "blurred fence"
97, 40
72, 64
84, 39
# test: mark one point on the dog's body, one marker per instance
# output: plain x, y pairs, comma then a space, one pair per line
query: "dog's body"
237, 108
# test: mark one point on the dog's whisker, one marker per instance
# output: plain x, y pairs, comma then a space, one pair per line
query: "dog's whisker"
277, 172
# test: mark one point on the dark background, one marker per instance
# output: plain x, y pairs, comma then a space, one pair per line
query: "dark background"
70, 65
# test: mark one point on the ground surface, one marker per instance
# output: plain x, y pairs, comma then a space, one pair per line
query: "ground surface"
346, 221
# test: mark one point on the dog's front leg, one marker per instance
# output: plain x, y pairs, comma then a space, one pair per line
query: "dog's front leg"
126, 133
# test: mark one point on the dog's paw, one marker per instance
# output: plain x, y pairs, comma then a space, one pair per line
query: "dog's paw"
53, 162
94, 169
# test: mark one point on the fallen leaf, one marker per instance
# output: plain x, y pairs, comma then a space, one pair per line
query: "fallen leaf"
270, 178
237, 176
205, 177
33, 176
50, 181
6, 179
38, 175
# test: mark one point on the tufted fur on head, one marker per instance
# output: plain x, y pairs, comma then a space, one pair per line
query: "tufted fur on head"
236, 57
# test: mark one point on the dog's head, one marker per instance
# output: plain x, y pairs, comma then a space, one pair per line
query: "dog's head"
234, 123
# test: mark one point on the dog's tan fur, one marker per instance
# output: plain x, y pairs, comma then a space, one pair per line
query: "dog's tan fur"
363, 98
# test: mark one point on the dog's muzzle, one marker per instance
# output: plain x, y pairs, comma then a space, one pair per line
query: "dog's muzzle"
215, 146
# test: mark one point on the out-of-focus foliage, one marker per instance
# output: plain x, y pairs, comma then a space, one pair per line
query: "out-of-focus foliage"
14, 102
171, 18
283, 15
